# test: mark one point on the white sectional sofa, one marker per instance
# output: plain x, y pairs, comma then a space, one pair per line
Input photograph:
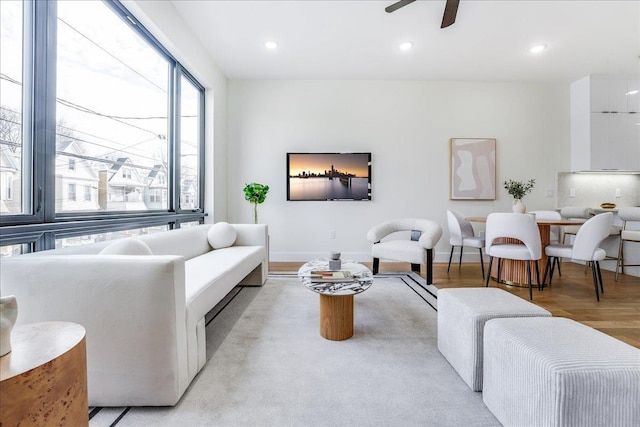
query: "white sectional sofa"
144, 314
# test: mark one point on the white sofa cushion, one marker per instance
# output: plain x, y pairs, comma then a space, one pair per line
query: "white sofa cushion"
127, 247
221, 235
211, 276
188, 242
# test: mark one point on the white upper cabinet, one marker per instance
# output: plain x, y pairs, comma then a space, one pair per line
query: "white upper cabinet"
605, 112
612, 94
633, 96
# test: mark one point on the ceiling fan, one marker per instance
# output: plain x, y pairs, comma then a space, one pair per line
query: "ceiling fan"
450, 10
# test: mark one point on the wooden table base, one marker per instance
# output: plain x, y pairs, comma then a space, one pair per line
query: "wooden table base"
336, 317
43, 380
515, 272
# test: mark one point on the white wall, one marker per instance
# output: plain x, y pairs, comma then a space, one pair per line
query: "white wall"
166, 25
407, 126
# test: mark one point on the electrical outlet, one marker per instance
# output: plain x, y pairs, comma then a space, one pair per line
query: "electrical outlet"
332, 234
618, 192
572, 192
548, 192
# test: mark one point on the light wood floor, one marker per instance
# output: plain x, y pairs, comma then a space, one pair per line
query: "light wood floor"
572, 295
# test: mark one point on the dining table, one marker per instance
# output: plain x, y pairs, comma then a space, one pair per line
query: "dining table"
514, 272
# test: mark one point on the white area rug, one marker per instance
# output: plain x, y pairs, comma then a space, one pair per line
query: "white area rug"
269, 366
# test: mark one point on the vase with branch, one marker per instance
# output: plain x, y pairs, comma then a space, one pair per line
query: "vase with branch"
255, 194
519, 189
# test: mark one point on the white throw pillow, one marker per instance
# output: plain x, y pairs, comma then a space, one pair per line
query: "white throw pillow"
127, 247
221, 235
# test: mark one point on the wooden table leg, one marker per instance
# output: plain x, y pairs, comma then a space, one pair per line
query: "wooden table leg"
336, 317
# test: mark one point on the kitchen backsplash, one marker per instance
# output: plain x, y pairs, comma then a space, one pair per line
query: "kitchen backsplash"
592, 189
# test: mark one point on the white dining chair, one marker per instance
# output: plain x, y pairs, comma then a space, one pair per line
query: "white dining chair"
515, 226
583, 214
554, 233
584, 248
576, 213
462, 234
628, 216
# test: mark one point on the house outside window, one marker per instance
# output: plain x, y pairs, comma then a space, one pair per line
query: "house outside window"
72, 192
156, 196
7, 187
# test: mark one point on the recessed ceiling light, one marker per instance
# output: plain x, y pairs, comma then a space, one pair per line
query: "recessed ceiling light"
633, 92
406, 46
537, 48
271, 45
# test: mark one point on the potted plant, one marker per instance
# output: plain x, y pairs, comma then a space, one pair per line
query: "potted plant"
255, 193
518, 189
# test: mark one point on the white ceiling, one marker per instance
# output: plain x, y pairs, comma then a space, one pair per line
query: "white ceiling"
357, 39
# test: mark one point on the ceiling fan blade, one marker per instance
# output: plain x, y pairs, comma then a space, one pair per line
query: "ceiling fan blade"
450, 11
398, 5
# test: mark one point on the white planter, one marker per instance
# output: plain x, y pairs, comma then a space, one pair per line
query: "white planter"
8, 316
518, 206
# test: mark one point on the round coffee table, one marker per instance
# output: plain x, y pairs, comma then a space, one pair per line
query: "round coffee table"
336, 298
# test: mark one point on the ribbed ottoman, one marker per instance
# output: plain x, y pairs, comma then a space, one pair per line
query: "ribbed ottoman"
462, 313
558, 372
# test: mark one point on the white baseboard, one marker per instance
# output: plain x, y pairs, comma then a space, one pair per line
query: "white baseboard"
440, 257
364, 256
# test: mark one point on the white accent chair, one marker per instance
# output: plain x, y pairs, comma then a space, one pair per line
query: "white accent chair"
627, 215
462, 235
515, 226
584, 248
406, 239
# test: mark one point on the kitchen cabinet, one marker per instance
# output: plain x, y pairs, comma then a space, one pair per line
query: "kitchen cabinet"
608, 94
605, 133
633, 96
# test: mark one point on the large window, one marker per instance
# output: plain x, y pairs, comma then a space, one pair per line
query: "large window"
11, 61
190, 104
111, 110
99, 125
87, 239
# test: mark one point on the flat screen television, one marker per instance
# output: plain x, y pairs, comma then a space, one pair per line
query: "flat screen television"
328, 176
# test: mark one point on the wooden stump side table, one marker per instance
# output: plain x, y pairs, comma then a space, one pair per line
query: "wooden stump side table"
43, 380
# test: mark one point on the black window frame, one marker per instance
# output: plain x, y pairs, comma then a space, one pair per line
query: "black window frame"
39, 145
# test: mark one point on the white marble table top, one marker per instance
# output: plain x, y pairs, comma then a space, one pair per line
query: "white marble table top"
363, 278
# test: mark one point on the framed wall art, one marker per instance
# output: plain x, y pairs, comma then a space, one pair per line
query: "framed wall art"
472, 169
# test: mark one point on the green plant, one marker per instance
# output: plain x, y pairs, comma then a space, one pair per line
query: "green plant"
519, 189
256, 194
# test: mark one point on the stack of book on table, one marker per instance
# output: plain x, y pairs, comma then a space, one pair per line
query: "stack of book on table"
322, 276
